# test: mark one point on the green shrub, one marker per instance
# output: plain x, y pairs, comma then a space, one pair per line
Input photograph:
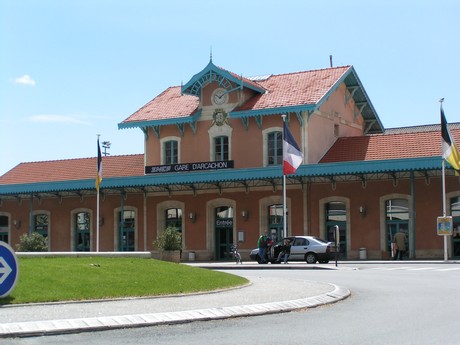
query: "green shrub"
32, 243
169, 239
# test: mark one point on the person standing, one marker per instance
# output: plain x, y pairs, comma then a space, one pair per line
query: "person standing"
400, 244
262, 244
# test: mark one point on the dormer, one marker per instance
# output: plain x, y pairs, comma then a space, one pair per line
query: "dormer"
217, 87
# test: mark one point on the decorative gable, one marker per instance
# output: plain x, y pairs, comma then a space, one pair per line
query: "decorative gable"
228, 80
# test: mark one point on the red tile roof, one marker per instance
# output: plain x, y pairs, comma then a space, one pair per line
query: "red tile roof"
169, 104
398, 143
406, 144
282, 90
293, 89
74, 169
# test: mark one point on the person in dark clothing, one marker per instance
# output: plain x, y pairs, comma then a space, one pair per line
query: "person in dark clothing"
262, 244
285, 252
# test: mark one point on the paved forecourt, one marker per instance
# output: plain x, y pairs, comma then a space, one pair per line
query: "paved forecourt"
257, 298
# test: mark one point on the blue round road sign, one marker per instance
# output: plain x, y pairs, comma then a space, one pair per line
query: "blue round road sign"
9, 269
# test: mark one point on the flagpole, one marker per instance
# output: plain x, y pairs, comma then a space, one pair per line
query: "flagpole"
97, 222
444, 205
97, 207
284, 189
443, 190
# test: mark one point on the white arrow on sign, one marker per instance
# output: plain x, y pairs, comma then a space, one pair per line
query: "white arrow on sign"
5, 270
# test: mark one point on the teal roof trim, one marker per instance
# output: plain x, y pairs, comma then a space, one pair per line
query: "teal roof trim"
308, 170
164, 122
211, 73
369, 113
370, 167
49, 187
350, 78
272, 111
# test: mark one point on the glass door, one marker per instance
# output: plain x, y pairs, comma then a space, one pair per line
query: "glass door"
336, 214
127, 228
397, 219
275, 223
224, 232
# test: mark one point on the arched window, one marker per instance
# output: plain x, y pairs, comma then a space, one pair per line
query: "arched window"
41, 223
82, 232
173, 219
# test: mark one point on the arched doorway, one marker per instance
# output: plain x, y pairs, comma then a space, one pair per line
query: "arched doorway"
397, 219
336, 214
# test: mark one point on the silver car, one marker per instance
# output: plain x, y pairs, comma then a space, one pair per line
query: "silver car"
310, 249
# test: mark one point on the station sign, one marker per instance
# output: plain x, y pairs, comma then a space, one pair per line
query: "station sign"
188, 167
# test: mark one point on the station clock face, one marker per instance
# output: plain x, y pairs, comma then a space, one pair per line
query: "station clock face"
219, 96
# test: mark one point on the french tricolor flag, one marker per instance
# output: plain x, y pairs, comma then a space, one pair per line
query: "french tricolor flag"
292, 156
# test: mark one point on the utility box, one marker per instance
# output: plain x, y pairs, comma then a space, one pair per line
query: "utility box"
362, 253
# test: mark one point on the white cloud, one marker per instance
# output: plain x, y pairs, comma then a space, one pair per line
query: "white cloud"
58, 119
25, 80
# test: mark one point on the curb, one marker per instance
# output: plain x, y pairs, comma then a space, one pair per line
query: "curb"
54, 327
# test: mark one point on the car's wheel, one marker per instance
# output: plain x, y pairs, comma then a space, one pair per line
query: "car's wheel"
310, 258
259, 261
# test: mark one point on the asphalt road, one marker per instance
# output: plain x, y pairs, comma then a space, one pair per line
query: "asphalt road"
390, 304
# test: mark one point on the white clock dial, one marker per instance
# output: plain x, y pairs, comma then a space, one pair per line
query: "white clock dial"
219, 96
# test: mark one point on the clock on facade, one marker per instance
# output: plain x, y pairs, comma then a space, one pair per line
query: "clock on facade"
219, 96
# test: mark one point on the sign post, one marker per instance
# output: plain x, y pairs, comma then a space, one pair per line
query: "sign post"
337, 242
9, 269
444, 229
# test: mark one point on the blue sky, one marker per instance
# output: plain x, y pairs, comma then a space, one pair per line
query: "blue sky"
70, 70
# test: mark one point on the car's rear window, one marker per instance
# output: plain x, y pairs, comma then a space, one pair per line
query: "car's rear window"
320, 240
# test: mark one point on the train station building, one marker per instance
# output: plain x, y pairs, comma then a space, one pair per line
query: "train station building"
212, 169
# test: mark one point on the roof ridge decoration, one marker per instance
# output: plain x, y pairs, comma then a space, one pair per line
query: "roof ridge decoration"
212, 73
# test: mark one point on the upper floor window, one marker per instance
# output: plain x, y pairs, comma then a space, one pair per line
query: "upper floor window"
221, 148
220, 142
170, 152
274, 148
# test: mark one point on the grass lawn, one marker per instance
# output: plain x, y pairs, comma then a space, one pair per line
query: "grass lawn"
83, 278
